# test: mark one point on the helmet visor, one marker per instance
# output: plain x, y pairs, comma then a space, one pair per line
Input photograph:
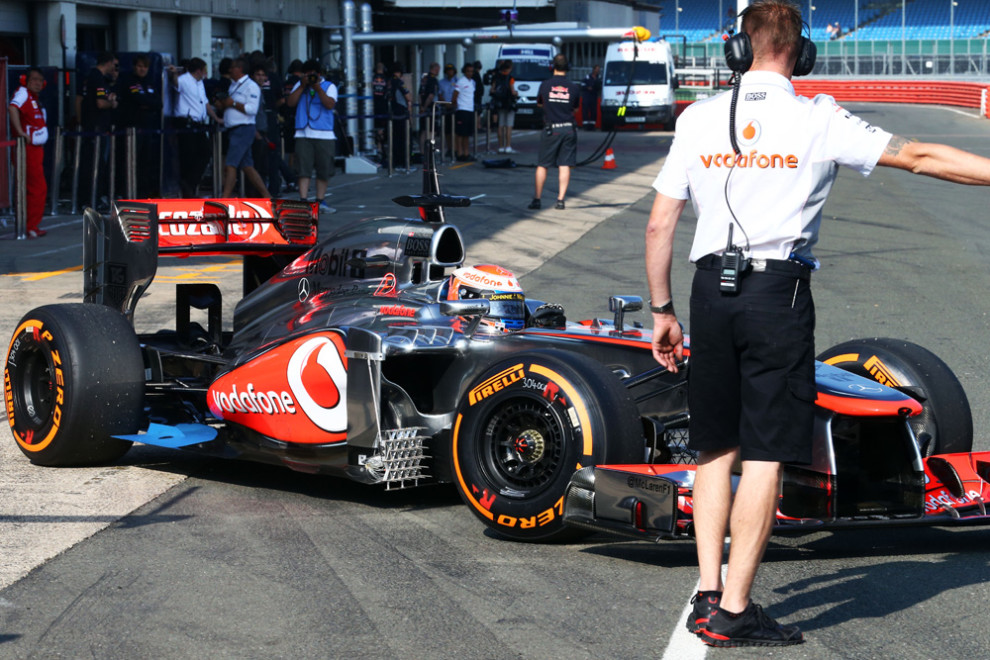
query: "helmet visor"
506, 306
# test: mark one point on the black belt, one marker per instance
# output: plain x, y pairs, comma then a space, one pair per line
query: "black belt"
783, 267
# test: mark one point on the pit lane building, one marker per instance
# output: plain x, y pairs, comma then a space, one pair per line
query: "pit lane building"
51, 33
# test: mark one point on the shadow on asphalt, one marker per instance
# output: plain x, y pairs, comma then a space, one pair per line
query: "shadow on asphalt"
878, 590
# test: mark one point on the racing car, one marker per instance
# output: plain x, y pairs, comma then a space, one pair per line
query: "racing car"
375, 354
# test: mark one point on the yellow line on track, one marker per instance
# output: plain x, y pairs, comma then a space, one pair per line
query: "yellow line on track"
34, 277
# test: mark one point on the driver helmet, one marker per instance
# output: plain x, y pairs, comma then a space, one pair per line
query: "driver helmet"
500, 287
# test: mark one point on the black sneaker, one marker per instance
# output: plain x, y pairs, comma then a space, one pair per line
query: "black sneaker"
704, 602
751, 627
559, 205
535, 204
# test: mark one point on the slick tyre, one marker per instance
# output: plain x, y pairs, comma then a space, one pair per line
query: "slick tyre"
945, 424
525, 426
73, 378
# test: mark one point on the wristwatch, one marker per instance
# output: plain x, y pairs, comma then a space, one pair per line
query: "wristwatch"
666, 308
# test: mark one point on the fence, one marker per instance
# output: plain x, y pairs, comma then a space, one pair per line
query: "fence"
910, 57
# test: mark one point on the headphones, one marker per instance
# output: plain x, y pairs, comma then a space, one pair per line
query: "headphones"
739, 52
24, 81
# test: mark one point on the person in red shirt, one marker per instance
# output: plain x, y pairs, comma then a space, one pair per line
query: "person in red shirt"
27, 120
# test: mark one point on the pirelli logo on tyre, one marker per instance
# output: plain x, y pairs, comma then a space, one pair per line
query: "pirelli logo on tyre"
496, 383
881, 372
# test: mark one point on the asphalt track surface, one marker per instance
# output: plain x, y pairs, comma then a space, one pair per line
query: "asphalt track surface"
181, 557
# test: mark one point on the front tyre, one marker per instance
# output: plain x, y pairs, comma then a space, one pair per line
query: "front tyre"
945, 424
73, 378
523, 429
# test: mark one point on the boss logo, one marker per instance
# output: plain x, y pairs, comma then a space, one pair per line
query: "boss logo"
418, 246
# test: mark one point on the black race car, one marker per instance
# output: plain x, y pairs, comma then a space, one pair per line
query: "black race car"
377, 356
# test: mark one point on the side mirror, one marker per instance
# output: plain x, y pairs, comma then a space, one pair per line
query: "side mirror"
478, 307
622, 304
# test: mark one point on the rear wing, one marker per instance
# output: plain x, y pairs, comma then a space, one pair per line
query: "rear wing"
262, 227
120, 252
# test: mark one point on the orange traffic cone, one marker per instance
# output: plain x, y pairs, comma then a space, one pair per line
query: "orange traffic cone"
609, 163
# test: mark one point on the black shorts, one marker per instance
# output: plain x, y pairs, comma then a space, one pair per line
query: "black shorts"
751, 380
464, 123
558, 148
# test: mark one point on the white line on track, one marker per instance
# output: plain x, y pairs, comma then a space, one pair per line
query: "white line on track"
682, 644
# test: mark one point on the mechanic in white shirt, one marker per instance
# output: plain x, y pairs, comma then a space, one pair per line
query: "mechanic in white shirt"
240, 108
191, 120
751, 390
464, 114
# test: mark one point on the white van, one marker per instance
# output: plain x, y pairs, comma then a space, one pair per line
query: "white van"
649, 77
531, 65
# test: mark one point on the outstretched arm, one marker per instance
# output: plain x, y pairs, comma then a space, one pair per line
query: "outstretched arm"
668, 340
936, 160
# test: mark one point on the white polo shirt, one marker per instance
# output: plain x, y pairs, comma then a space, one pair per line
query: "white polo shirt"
247, 92
464, 87
192, 101
790, 149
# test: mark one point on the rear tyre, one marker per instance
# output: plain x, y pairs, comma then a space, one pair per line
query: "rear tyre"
523, 429
945, 424
74, 377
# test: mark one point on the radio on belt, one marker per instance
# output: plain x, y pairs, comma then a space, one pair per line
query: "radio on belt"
733, 264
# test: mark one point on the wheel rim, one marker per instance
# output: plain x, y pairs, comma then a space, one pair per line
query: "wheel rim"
523, 446
35, 394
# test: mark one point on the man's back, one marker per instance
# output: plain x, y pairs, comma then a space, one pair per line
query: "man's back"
790, 148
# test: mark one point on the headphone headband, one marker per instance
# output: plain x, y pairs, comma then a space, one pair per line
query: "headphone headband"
739, 51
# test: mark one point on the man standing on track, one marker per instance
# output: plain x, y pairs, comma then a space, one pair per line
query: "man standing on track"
758, 197
559, 98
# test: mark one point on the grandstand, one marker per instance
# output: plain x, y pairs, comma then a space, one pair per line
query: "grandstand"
702, 20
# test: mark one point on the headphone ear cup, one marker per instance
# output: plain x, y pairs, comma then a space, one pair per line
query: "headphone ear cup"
739, 52
23, 80
807, 54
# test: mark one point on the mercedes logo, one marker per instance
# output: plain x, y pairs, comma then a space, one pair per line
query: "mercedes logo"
303, 289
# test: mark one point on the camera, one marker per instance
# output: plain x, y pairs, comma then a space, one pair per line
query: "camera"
312, 78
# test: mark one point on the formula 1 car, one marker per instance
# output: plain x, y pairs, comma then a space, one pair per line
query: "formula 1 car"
375, 355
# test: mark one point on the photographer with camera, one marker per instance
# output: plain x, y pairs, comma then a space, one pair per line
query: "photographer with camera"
314, 99
240, 109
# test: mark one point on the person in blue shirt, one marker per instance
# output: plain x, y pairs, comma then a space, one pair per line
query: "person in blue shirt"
314, 99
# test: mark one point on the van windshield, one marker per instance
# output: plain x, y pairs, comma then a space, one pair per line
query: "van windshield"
522, 70
643, 73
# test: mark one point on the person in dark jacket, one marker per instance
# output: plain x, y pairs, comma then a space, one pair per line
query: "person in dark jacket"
141, 109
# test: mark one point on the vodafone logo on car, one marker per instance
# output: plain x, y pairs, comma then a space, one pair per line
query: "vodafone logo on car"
296, 392
318, 379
